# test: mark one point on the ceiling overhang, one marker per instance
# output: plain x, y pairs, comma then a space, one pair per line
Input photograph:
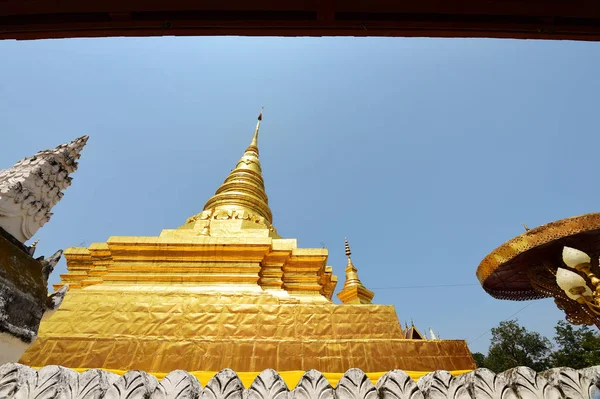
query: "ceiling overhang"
519, 19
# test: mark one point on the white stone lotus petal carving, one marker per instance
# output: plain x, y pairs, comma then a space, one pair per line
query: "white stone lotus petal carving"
573, 257
93, 384
178, 384
593, 375
313, 385
21, 382
441, 384
485, 384
569, 382
530, 385
224, 385
9, 379
133, 385
27, 380
267, 385
54, 382
355, 385
396, 384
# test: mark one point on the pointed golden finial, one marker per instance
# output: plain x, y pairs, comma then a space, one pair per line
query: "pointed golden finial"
526, 228
354, 291
254, 142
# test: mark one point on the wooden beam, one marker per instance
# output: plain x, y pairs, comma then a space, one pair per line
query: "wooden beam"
521, 19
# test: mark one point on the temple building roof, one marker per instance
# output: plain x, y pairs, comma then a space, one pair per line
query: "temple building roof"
225, 291
413, 333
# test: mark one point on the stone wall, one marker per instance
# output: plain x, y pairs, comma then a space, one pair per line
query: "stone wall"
22, 382
24, 299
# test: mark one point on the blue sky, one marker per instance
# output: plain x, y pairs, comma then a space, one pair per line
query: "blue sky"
426, 153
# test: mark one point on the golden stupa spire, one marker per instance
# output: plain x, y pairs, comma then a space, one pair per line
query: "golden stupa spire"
354, 291
244, 188
254, 142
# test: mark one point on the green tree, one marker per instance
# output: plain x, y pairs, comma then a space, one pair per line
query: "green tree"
577, 347
513, 345
479, 359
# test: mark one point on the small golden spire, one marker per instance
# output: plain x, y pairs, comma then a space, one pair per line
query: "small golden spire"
526, 228
354, 291
351, 271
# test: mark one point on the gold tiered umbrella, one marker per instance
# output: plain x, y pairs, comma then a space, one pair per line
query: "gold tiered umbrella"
559, 259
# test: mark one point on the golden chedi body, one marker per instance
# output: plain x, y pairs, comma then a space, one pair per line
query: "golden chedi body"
225, 291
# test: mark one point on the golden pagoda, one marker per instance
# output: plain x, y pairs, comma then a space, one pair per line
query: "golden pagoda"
354, 291
226, 291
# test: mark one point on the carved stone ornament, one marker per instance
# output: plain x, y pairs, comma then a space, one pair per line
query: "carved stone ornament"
313, 385
225, 384
21, 382
177, 385
441, 384
30, 188
228, 214
205, 217
24, 300
268, 385
398, 385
